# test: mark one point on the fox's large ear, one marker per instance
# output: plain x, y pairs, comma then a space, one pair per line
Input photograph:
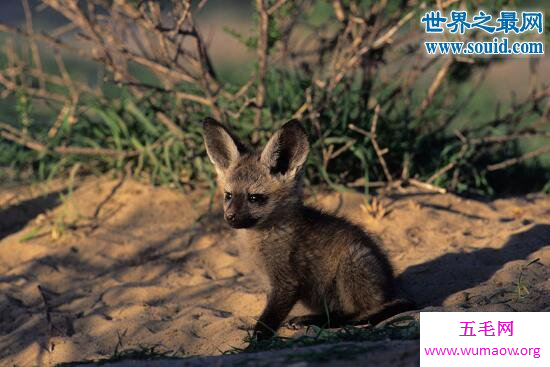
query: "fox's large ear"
223, 148
286, 151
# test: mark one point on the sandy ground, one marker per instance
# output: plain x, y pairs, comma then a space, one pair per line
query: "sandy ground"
116, 265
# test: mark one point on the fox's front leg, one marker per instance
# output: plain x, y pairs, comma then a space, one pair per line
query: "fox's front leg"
279, 303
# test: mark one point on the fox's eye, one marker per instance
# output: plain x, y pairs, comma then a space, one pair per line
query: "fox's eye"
257, 198
227, 195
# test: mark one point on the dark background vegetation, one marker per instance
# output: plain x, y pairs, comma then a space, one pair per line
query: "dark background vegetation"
97, 86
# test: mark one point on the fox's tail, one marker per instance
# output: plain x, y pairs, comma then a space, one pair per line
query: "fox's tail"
386, 311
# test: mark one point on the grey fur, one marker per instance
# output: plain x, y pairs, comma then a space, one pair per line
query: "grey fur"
331, 265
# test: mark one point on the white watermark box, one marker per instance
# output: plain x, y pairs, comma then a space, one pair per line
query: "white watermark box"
484, 339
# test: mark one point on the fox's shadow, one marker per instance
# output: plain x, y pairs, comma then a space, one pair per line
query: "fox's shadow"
431, 282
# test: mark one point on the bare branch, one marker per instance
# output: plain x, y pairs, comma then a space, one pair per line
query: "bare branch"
33, 46
516, 160
275, 6
436, 83
375, 145
426, 186
12, 134
449, 166
262, 62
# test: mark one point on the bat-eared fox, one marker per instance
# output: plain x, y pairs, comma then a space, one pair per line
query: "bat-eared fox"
329, 264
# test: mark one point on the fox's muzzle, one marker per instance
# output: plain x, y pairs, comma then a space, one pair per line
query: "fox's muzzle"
240, 221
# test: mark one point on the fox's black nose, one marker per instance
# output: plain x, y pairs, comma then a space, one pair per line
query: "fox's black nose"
240, 221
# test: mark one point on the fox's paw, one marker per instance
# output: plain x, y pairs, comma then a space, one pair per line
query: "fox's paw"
300, 322
294, 323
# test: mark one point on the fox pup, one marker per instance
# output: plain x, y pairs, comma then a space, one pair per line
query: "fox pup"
329, 264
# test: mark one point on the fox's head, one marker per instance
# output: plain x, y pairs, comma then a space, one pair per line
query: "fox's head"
259, 185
